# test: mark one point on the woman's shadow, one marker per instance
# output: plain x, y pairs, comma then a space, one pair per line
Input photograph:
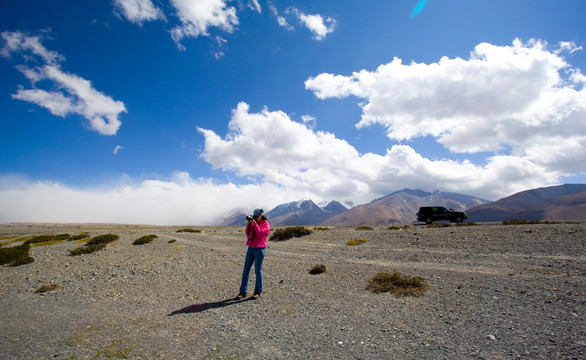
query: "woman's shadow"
197, 308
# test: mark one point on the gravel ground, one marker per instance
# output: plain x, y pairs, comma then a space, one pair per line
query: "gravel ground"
495, 292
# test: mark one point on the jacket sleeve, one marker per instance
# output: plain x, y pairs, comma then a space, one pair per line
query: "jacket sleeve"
263, 229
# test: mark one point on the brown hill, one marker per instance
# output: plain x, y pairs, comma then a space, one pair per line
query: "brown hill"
549, 203
569, 207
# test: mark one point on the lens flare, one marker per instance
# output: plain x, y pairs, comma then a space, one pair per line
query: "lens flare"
418, 8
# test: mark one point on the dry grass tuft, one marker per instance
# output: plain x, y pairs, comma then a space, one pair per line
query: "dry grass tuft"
404, 227
354, 242
527, 222
364, 228
103, 239
47, 288
471, 223
83, 235
318, 269
16, 255
398, 284
48, 238
95, 244
144, 240
188, 230
87, 249
438, 225
290, 232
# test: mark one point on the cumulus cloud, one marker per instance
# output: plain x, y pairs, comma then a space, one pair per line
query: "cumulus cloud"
75, 95
138, 11
317, 24
271, 146
197, 16
523, 97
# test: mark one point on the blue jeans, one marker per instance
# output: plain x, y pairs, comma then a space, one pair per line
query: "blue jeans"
253, 256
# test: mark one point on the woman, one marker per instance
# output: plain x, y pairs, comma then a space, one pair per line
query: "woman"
257, 230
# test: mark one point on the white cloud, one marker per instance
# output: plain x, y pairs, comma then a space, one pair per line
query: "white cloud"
138, 11
117, 148
17, 42
271, 146
197, 16
177, 201
219, 53
280, 19
75, 95
316, 23
502, 97
254, 5
284, 160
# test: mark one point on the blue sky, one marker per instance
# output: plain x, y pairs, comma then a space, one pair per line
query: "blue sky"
183, 111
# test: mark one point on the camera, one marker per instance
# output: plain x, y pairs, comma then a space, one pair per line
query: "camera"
249, 218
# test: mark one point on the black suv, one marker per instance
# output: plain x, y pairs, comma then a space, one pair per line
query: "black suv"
430, 214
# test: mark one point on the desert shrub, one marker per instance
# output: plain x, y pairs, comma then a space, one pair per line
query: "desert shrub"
356, 241
81, 236
438, 225
321, 228
47, 238
527, 222
394, 227
103, 239
47, 243
49, 287
518, 222
318, 269
471, 223
95, 244
398, 284
364, 228
19, 239
144, 240
87, 249
16, 255
171, 241
188, 230
290, 232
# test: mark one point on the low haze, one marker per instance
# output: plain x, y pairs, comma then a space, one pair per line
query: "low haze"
183, 112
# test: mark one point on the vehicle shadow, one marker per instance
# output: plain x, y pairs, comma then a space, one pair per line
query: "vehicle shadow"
197, 308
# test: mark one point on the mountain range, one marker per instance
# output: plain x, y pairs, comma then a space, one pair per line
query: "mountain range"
302, 212
400, 207
563, 202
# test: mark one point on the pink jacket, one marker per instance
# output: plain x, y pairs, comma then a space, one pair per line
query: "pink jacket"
257, 234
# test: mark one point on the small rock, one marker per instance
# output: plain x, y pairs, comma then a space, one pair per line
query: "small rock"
491, 337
